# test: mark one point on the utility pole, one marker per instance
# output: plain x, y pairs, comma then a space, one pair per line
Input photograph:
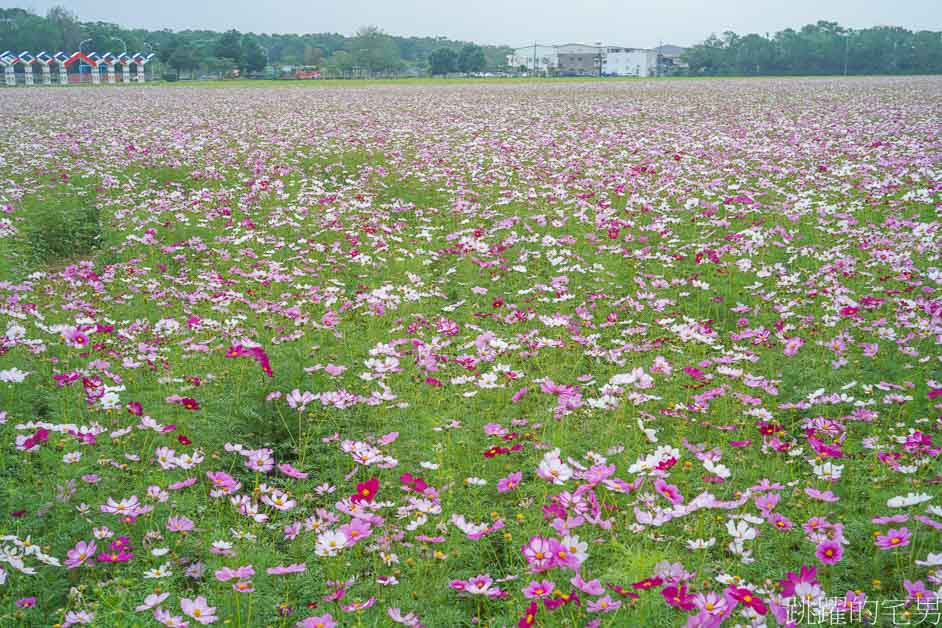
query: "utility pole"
846, 51
660, 46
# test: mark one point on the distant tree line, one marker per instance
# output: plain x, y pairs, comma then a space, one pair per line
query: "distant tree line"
821, 48
368, 52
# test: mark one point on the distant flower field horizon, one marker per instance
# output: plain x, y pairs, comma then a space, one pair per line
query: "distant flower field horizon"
661, 353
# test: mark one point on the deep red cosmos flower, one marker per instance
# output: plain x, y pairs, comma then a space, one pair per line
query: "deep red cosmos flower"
366, 491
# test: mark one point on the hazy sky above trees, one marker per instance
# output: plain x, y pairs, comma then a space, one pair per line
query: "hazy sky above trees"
513, 22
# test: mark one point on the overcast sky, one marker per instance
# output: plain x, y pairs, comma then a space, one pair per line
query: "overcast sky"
512, 22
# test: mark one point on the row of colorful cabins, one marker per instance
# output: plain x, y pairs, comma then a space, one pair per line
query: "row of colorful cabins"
67, 71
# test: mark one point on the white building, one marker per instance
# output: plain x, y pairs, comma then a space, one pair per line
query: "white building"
585, 60
535, 58
629, 62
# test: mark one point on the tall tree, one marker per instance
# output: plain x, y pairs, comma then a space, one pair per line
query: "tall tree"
443, 61
374, 51
340, 63
229, 46
66, 28
471, 59
184, 58
254, 58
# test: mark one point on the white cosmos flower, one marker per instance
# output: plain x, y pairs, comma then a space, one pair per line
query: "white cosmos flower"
329, 543
717, 469
828, 470
932, 560
159, 572
13, 376
901, 501
741, 530
700, 544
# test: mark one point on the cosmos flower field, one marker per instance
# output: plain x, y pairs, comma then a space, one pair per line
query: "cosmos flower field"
628, 353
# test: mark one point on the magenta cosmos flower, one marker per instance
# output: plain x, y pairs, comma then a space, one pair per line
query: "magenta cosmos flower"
829, 552
748, 598
677, 596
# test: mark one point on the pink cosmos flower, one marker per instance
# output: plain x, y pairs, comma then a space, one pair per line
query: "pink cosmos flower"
259, 460
539, 554
178, 523
78, 617
884, 520
603, 605
223, 483
711, 602
671, 492
279, 500
410, 619
893, 539
289, 569
291, 472
126, 506
199, 610
168, 619
592, 587
152, 601
318, 621
538, 589
243, 573
929, 521
853, 602
780, 522
510, 482
176, 486
82, 552
356, 530
359, 606
918, 592
824, 496
792, 345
